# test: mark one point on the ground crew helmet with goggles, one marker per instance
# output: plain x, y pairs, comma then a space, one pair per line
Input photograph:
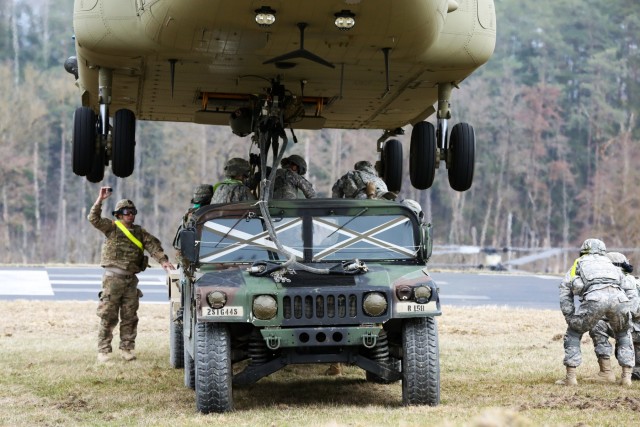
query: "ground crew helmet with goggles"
124, 207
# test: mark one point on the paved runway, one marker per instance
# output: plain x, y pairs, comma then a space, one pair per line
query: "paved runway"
458, 289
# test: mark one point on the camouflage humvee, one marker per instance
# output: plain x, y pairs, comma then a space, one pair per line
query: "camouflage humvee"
353, 289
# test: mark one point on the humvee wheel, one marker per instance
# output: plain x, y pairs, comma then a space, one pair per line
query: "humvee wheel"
124, 143
213, 368
462, 144
189, 369
176, 342
84, 140
421, 363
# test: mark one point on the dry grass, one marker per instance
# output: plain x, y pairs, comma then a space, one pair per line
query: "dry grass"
498, 367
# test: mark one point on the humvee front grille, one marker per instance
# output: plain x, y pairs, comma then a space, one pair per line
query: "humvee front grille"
318, 307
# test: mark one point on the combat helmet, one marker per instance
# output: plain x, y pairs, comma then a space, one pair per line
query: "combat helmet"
202, 194
593, 246
619, 260
237, 166
617, 257
296, 160
363, 165
124, 203
414, 206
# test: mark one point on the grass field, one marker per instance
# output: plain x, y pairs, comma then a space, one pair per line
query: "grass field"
498, 368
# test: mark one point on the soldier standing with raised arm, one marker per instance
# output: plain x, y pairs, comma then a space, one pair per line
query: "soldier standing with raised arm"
122, 258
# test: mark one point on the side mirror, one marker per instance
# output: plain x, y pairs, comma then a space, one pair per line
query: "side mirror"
426, 243
188, 245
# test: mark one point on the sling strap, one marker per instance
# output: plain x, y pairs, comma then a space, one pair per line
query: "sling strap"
127, 233
226, 181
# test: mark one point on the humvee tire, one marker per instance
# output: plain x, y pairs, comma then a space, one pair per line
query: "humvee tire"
189, 370
213, 368
176, 342
421, 363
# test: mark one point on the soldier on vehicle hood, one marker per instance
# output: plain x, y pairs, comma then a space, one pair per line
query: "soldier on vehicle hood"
233, 188
289, 179
361, 183
202, 195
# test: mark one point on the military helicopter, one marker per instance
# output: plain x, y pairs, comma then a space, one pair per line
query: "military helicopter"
267, 66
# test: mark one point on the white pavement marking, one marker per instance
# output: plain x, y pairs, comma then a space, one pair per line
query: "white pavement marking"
24, 282
72, 282
96, 290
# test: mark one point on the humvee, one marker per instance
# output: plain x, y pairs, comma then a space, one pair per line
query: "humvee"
303, 282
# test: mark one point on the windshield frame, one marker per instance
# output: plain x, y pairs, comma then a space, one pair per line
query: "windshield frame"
311, 212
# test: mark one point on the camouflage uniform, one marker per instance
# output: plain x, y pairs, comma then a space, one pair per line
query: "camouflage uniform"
230, 191
122, 259
601, 333
635, 337
287, 182
202, 195
353, 184
599, 286
233, 189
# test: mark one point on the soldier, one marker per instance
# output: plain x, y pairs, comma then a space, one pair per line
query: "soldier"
361, 183
602, 331
415, 207
202, 195
233, 188
289, 179
122, 258
598, 285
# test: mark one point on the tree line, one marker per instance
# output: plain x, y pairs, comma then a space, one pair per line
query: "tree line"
555, 113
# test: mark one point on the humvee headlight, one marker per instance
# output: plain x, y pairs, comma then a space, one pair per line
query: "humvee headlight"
216, 299
403, 292
374, 304
422, 294
265, 307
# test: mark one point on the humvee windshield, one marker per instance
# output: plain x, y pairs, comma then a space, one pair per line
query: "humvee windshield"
368, 234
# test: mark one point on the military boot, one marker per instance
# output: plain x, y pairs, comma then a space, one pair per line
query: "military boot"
128, 355
570, 379
625, 380
103, 358
334, 369
605, 375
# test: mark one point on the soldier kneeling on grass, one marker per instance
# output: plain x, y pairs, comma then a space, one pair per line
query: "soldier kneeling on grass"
600, 287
